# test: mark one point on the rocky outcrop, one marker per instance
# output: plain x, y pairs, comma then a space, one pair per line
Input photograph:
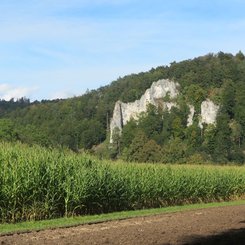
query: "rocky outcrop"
208, 115
191, 115
209, 112
155, 95
123, 112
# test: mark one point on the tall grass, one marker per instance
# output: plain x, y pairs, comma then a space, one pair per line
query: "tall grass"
38, 183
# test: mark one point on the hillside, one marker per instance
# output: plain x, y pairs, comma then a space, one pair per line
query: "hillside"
83, 122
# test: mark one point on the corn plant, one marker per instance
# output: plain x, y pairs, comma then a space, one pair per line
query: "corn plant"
38, 183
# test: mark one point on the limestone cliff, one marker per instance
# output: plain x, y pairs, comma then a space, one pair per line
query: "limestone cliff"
208, 115
208, 112
191, 115
123, 112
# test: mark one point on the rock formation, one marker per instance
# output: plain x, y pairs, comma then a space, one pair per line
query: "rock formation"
208, 112
123, 112
155, 95
191, 115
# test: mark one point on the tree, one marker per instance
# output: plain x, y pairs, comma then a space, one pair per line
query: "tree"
7, 130
193, 136
175, 151
134, 152
83, 121
151, 152
166, 128
236, 132
209, 140
91, 133
222, 139
228, 98
239, 109
151, 121
240, 56
177, 128
194, 95
128, 133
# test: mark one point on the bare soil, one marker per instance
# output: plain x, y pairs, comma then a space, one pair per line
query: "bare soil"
223, 225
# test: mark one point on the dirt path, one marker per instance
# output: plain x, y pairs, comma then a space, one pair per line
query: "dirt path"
225, 225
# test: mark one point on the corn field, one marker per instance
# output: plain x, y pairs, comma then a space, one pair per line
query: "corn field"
38, 183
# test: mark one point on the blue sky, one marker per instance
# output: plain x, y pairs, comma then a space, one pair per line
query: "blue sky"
60, 48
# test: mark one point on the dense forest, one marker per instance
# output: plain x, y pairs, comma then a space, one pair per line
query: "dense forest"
159, 136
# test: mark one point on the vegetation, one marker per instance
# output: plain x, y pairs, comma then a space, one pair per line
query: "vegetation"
162, 136
38, 183
72, 122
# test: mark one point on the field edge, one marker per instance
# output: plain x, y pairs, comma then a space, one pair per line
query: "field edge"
31, 226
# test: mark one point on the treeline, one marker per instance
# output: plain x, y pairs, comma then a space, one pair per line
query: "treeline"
83, 122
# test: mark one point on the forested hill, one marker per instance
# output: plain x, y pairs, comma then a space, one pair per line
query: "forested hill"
82, 122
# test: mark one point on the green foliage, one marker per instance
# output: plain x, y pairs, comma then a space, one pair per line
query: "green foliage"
91, 132
236, 132
39, 183
151, 121
13, 105
209, 141
163, 133
219, 77
134, 152
128, 134
151, 152
228, 98
222, 139
195, 95
83, 122
239, 109
175, 151
7, 130
143, 150
240, 56
194, 136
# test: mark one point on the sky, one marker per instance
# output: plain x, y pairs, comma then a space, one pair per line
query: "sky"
61, 48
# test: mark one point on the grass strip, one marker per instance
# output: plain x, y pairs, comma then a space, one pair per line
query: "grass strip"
24, 227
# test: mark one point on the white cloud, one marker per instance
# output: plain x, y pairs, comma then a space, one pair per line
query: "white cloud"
8, 92
61, 95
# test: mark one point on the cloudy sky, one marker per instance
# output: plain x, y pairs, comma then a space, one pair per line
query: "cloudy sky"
60, 48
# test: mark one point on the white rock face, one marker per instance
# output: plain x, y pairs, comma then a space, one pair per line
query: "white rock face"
123, 112
190, 116
208, 112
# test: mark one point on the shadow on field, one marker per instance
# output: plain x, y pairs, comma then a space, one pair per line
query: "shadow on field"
230, 237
